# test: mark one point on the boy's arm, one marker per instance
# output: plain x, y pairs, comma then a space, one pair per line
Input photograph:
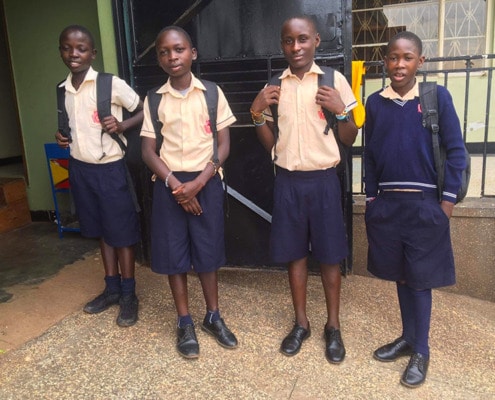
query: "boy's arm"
330, 99
264, 130
111, 124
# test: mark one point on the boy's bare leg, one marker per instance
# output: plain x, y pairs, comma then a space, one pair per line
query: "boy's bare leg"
298, 280
110, 260
178, 286
127, 261
331, 280
209, 283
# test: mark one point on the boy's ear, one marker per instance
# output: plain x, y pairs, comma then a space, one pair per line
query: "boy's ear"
317, 40
194, 53
93, 54
421, 61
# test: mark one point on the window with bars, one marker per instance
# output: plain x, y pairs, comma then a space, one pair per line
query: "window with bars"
376, 21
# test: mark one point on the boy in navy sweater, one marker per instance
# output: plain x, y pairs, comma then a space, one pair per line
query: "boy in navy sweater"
408, 229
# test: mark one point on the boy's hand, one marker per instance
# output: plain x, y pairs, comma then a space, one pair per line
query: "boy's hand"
447, 207
265, 98
62, 141
329, 98
192, 207
111, 124
187, 191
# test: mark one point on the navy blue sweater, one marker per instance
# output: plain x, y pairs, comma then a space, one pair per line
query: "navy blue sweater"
399, 150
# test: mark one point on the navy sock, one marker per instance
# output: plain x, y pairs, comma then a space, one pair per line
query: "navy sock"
183, 320
422, 313
113, 284
128, 286
212, 316
406, 304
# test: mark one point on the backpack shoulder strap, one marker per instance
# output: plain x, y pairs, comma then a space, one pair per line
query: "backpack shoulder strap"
276, 81
211, 97
327, 79
429, 109
154, 99
62, 116
104, 102
104, 94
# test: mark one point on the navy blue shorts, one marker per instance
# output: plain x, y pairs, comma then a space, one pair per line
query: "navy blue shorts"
181, 241
307, 217
409, 240
103, 201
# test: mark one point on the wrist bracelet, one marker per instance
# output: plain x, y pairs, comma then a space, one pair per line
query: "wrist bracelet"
215, 168
166, 179
255, 114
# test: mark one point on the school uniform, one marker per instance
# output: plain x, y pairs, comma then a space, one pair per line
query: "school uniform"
408, 232
181, 241
97, 170
307, 207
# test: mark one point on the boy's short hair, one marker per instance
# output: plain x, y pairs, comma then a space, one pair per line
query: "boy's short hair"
78, 28
412, 37
310, 20
177, 29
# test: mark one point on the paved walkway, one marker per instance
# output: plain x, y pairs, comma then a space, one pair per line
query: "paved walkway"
80, 356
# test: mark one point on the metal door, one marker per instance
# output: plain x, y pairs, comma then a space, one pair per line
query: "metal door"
239, 49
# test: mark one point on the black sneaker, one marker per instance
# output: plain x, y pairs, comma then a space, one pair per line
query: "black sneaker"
102, 302
128, 314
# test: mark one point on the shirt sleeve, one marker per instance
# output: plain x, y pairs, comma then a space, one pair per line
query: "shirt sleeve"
225, 117
147, 129
451, 139
370, 173
123, 95
345, 90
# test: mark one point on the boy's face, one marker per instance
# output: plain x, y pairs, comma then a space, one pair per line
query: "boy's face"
299, 41
402, 61
77, 51
175, 54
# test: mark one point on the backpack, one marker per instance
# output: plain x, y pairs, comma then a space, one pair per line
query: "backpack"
429, 108
325, 79
103, 107
211, 97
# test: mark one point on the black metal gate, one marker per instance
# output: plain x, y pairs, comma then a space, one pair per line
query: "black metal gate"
239, 49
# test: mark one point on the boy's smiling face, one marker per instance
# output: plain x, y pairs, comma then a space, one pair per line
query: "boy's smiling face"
77, 51
402, 62
175, 54
299, 41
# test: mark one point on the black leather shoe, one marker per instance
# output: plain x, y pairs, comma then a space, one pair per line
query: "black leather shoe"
221, 333
128, 314
334, 349
392, 351
415, 373
102, 302
187, 343
293, 341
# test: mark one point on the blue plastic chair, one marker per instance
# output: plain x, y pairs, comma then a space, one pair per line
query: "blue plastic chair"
57, 160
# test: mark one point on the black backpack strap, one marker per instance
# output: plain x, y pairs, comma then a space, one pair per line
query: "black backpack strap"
327, 79
104, 103
211, 96
429, 108
154, 99
62, 116
276, 81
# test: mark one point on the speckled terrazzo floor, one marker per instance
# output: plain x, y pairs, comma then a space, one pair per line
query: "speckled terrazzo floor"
89, 357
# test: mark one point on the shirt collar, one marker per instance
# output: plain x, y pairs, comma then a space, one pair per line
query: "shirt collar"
391, 94
90, 76
315, 69
195, 83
